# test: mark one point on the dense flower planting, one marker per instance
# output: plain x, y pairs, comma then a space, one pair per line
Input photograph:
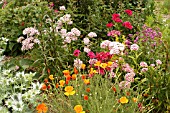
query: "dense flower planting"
66, 69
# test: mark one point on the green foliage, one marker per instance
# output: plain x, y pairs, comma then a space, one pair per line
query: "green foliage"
15, 18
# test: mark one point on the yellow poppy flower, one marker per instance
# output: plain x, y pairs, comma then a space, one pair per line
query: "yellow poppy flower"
79, 109
134, 99
69, 90
109, 64
62, 82
51, 77
123, 100
86, 81
97, 63
66, 72
103, 65
83, 66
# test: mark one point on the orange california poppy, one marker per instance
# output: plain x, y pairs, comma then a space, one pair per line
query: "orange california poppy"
75, 71
44, 87
74, 76
66, 72
42, 108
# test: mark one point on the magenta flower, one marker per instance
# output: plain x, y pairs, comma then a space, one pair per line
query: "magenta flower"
91, 54
129, 12
76, 52
127, 25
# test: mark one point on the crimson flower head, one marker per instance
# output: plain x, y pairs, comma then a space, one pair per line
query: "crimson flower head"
109, 25
76, 52
116, 18
127, 25
129, 12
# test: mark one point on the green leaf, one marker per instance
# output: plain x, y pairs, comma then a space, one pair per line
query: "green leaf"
25, 63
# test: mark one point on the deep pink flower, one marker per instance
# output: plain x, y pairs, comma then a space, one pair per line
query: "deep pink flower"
109, 25
91, 54
116, 18
115, 15
76, 52
127, 25
129, 12
56, 11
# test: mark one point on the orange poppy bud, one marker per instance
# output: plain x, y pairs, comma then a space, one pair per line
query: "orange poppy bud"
86, 97
44, 87
56, 85
128, 93
114, 89
46, 80
67, 81
48, 86
83, 77
87, 89
75, 71
48, 70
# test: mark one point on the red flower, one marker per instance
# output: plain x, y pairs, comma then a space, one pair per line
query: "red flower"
86, 97
109, 25
129, 12
76, 53
127, 25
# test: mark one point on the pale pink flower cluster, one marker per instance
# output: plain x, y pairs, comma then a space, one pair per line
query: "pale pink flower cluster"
86, 41
30, 41
130, 77
64, 19
30, 31
62, 8
70, 36
92, 61
126, 67
124, 85
92, 34
143, 64
158, 62
134, 47
77, 63
114, 47
144, 69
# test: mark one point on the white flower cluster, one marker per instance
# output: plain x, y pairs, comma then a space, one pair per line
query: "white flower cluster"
20, 88
77, 63
29, 42
62, 8
70, 36
86, 41
114, 47
3, 41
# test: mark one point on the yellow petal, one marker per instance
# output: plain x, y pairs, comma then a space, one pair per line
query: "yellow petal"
72, 93
66, 93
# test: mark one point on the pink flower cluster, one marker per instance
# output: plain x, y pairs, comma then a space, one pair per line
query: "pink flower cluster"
70, 36
113, 33
30, 41
129, 77
134, 47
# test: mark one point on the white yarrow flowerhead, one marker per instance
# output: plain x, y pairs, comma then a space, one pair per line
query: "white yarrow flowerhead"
62, 8
92, 34
134, 47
